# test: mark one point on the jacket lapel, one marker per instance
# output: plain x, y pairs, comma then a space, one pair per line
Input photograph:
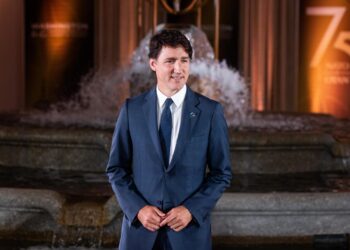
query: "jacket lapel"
150, 112
190, 114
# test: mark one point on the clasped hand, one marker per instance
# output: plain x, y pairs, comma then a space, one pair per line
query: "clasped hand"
152, 218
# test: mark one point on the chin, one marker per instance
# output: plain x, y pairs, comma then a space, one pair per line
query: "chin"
177, 86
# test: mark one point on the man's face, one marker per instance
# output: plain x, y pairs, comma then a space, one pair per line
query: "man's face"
172, 68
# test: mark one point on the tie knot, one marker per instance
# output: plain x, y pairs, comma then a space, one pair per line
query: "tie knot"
168, 102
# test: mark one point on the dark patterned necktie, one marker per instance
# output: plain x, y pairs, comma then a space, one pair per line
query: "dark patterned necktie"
165, 127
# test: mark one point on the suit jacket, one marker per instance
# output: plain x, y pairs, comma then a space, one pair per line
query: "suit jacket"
196, 177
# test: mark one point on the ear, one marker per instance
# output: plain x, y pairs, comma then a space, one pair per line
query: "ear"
152, 64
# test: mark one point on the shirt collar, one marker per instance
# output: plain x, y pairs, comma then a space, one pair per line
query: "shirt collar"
178, 98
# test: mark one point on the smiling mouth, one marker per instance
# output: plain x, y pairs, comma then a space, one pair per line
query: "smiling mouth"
177, 78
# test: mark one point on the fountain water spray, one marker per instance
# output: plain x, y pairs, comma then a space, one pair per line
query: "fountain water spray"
102, 93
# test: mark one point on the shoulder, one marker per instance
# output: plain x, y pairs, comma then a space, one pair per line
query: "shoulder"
205, 102
139, 99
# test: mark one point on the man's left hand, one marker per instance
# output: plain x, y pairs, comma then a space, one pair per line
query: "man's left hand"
177, 218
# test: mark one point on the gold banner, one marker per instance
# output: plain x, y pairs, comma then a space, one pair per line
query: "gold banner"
325, 57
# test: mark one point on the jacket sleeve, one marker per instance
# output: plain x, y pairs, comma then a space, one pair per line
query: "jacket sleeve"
119, 169
201, 203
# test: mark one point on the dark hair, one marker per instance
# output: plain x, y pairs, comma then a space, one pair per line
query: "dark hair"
168, 38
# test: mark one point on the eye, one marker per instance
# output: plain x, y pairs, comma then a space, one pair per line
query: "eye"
185, 60
170, 61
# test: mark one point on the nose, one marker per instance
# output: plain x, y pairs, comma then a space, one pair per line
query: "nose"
177, 67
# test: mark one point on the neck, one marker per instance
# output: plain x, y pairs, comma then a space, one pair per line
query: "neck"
168, 93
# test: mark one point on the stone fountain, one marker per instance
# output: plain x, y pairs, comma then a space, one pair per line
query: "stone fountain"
291, 171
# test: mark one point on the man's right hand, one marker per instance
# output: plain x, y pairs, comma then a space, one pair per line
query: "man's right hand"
150, 217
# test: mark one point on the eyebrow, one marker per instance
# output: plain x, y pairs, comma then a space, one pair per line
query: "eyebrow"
175, 58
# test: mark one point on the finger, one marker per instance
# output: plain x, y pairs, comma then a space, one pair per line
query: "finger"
168, 219
163, 218
163, 222
159, 213
178, 229
154, 221
151, 226
174, 222
151, 219
176, 225
152, 229
155, 216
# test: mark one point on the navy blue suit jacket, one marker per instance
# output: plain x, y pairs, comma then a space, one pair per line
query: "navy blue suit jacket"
198, 173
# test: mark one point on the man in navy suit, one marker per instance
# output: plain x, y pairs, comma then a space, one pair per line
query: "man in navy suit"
169, 161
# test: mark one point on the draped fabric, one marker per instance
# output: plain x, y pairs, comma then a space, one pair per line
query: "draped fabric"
269, 38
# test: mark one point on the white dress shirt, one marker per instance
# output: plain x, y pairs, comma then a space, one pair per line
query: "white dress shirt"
176, 111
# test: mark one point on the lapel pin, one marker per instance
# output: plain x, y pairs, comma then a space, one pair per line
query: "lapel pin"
193, 114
